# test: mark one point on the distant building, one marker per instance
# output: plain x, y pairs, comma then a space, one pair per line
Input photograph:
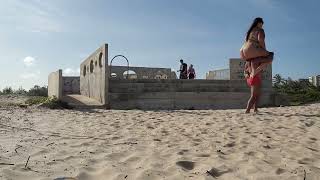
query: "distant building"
222, 74
315, 80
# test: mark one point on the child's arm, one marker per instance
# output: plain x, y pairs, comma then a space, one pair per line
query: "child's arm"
247, 70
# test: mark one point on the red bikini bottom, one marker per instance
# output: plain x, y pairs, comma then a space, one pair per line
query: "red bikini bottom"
254, 81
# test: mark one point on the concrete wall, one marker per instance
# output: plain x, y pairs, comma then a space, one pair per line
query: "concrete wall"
93, 75
71, 85
221, 74
55, 84
182, 94
142, 72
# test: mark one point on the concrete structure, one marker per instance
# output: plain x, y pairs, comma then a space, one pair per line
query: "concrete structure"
120, 72
55, 84
71, 85
152, 88
221, 74
181, 94
315, 80
94, 81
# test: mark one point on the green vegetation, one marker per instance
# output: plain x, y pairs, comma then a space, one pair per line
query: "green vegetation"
298, 92
36, 96
35, 91
38, 91
47, 102
7, 90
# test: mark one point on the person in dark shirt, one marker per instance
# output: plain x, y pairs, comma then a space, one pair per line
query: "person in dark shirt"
183, 70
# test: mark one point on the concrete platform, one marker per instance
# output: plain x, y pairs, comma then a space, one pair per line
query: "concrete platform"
82, 102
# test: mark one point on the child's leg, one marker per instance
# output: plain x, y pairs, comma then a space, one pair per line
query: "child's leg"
260, 68
260, 63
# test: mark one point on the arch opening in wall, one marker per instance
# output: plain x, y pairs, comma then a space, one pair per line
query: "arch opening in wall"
91, 66
84, 72
110, 68
100, 60
113, 75
130, 75
161, 75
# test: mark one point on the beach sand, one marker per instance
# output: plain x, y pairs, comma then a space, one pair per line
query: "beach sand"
278, 143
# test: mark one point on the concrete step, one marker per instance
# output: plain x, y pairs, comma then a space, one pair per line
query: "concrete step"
82, 102
184, 100
180, 86
141, 89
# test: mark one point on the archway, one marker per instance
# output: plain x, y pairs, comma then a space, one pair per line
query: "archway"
130, 75
115, 58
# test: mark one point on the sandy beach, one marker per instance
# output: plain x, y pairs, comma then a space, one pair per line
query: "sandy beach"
278, 143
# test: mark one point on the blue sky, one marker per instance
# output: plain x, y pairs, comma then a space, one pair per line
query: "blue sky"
41, 36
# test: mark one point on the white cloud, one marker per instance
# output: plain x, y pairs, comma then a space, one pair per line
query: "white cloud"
71, 72
32, 16
29, 61
34, 75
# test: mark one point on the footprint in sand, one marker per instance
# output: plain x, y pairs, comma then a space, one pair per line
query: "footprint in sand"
310, 124
313, 139
182, 152
305, 161
203, 155
312, 149
280, 171
217, 173
232, 144
186, 165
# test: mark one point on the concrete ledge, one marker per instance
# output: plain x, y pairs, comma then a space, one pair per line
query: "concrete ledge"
184, 100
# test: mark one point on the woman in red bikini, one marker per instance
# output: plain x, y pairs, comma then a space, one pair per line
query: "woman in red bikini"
257, 58
254, 48
255, 85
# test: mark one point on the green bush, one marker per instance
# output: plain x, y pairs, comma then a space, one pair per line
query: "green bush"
38, 91
20, 91
37, 100
297, 92
47, 102
7, 90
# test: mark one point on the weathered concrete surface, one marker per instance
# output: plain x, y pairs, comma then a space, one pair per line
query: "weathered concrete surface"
71, 85
55, 84
142, 72
182, 94
93, 75
182, 100
82, 102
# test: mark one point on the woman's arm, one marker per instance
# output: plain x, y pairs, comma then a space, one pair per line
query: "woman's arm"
261, 37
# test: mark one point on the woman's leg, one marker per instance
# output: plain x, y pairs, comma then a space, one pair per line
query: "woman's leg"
252, 99
257, 95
